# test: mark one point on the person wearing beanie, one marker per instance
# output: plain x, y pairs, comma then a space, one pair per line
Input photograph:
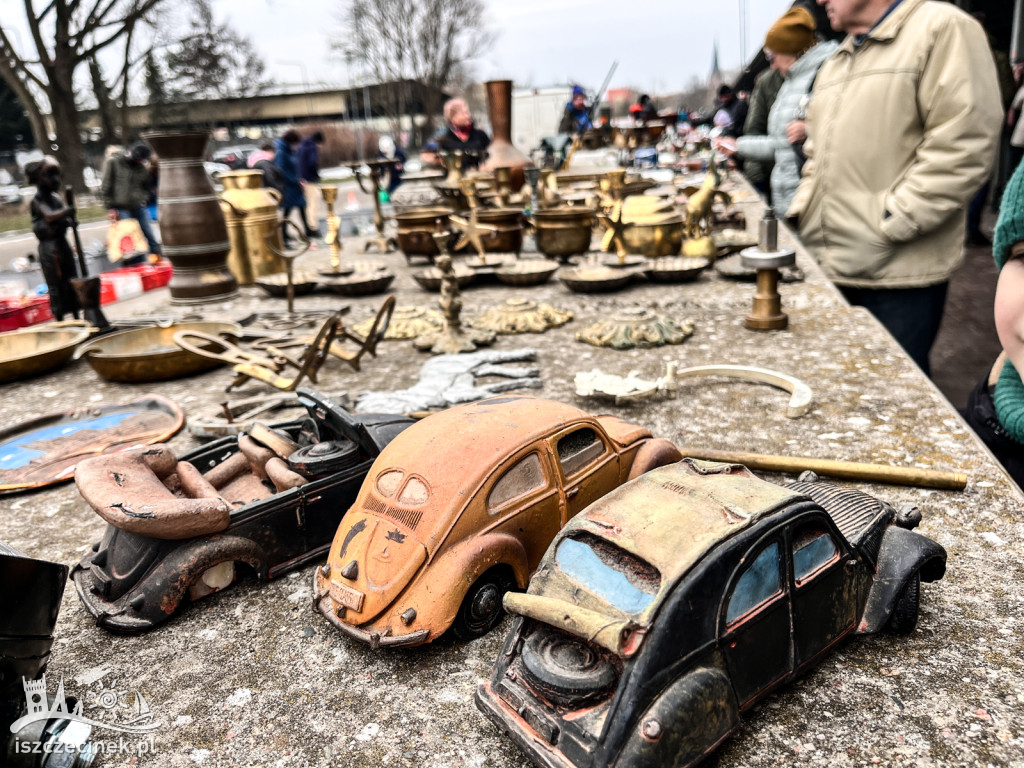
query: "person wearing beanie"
995, 408
125, 189
793, 52
903, 129
576, 116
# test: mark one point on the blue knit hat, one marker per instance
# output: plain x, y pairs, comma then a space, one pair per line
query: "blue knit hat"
577, 90
1010, 224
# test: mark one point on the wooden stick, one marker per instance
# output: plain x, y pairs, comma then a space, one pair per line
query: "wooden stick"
847, 470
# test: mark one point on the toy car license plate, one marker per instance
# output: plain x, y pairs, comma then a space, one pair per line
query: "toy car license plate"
350, 598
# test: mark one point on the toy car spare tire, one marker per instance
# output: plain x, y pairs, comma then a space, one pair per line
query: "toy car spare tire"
566, 669
905, 611
481, 608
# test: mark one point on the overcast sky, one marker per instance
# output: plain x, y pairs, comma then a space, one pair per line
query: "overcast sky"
659, 44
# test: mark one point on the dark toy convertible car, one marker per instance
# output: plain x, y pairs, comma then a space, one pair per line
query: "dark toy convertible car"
667, 608
269, 500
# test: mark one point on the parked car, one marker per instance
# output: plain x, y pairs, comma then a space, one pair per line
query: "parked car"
459, 509
669, 607
234, 157
269, 500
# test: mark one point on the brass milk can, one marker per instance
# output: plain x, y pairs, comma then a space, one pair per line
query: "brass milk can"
250, 211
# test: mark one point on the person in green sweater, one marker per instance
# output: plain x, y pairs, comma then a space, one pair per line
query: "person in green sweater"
995, 409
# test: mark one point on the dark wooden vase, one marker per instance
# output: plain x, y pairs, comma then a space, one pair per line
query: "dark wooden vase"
192, 228
502, 153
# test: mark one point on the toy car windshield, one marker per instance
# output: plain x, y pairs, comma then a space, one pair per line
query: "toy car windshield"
609, 572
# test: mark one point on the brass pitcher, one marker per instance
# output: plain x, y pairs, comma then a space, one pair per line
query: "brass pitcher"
250, 212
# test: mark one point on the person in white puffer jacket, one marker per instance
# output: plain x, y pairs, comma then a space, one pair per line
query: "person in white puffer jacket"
792, 50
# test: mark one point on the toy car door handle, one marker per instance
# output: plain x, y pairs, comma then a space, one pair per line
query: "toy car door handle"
571, 493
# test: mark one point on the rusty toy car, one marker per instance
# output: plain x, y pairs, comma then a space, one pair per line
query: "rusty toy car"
667, 608
460, 508
270, 500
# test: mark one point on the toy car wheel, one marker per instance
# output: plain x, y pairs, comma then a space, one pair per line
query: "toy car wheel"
904, 613
481, 608
566, 669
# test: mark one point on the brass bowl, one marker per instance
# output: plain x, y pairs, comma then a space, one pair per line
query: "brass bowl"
361, 283
564, 231
277, 283
526, 272
430, 279
28, 353
416, 229
150, 354
654, 236
594, 279
676, 269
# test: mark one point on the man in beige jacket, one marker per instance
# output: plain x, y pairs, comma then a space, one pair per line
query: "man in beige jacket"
902, 124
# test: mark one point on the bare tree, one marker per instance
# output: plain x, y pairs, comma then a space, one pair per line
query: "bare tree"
401, 42
213, 61
64, 34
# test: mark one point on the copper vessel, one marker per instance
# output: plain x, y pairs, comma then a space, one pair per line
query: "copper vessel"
654, 236
563, 232
501, 153
416, 228
250, 214
195, 236
507, 236
30, 352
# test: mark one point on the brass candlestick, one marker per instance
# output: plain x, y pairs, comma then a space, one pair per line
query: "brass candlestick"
333, 238
383, 243
767, 259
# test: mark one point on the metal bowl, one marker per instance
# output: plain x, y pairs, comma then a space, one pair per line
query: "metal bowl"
654, 236
277, 283
150, 354
361, 283
594, 279
526, 272
430, 279
416, 228
564, 231
28, 353
678, 269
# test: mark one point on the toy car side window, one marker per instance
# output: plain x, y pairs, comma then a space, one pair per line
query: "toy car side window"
759, 583
578, 449
813, 549
524, 476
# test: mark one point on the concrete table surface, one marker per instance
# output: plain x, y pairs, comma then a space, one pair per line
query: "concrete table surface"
252, 676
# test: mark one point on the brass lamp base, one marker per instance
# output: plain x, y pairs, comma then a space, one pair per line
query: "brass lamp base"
767, 314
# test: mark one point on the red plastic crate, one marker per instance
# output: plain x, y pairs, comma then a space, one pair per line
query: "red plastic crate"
107, 293
37, 310
12, 318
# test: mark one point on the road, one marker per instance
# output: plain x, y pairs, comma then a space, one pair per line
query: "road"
16, 245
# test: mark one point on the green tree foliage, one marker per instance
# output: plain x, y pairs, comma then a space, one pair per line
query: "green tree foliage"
15, 128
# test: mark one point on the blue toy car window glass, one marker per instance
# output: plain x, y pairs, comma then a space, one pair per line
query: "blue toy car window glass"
611, 573
578, 449
812, 549
525, 476
759, 583
388, 482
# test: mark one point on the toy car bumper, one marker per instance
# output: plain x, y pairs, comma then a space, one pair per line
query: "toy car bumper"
508, 720
112, 616
371, 638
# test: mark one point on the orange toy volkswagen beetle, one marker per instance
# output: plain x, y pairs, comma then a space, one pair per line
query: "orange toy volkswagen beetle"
459, 509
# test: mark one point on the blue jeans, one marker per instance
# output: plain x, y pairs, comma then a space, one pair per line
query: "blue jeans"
142, 216
911, 315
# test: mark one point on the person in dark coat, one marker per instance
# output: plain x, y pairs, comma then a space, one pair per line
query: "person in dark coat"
51, 219
576, 116
285, 160
463, 136
308, 161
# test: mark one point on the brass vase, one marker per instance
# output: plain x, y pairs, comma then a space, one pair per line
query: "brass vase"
192, 227
501, 153
250, 213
